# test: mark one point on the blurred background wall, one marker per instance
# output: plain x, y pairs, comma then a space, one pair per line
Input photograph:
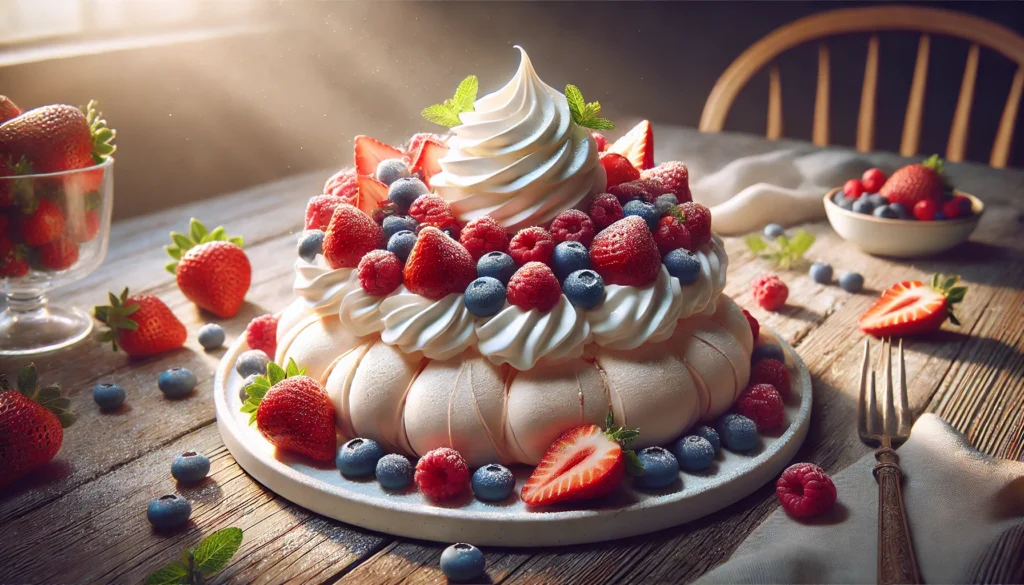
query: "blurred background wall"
209, 113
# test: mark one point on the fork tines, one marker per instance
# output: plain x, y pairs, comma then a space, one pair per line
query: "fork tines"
892, 422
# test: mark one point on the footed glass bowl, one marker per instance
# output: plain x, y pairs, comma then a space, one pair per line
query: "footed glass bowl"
54, 229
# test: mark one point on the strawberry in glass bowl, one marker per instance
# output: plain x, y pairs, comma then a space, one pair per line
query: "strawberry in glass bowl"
56, 196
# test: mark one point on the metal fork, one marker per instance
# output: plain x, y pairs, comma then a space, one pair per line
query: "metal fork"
886, 430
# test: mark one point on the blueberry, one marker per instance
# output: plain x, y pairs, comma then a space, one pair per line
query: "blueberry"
211, 336
964, 206
311, 243
568, 258
358, 457
768, 351
845, 202
170, 511
839, 197
398, 223
738, 432
876, 199
493, 483
245, 383
851, 282
901, 211
392, 169
462, 562
660, 468
664, 203
774, 230
484, 296
863, 205
884, 211
404, 191
394, 471
644, 211
584, 289
401, 244
253, 361
694, 453
711, 435
498, 265
190, 467
177, 382
939, 216
821, 272
108, 396
683, 264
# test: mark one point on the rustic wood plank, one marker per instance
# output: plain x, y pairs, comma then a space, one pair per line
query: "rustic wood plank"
915, 104
868, 94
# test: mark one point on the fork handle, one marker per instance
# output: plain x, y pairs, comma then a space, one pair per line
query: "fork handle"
896, 560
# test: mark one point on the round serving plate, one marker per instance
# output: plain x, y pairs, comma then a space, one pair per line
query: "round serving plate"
626, 512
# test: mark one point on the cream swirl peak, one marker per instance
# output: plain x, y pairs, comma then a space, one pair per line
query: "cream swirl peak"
519, 157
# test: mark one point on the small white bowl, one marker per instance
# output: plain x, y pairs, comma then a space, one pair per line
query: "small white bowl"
901, 238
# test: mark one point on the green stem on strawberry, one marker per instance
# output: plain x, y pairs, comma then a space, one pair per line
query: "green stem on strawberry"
623, 436
48, 396
954, 294
262, 384
102, 136
197, 234
115, 316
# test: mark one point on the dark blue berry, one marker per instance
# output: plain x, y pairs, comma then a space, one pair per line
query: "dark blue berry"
738, 432
211, 336
901, 211
711, 435
851, 282
863, 205
694, 453
462, 562
404, 192
939, 216
768, 351
884, 211
821, 272
394, 471
644, 211
392, 169
401, 244
190, 467
876, 199
253, 361
170, 511
568, 258
584, 289
484, 296
964, 206
664, 204
311, 243
660, 468
683, 264
493, 483
108, 396
358, 457
398, 223
774, 230
177, 382
497, 265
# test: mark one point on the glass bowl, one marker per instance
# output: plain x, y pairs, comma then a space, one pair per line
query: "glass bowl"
54, 229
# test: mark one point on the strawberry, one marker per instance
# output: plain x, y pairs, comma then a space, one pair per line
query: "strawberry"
697, 220
671, 234
674, 176
618, 169
13, 266
212, 270
425, 165
342, 184
637, 145
350, 235
320, 209
57, 138
416, 142
912, 307
293, 412
925, 210
32, 423
8, 110
59, 254
600, 140
645, 189
438, 265
141, 324
369, 193
625, 253
370, 152
86, 229
872, 180
15, 191
914, 183
435, 211
44, 224
583, 463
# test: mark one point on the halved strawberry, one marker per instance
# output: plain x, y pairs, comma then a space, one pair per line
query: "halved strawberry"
583, 463
637, 145
426, 162
370, 152
369, 193
912, 307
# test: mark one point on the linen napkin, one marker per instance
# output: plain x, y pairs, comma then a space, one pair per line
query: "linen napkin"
966, 513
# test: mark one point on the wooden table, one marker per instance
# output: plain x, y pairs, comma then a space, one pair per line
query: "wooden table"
82, 519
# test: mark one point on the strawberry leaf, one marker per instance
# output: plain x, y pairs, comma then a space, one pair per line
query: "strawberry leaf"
634, 467
197, 230
260, 385
214, 552
173, 252
28, 378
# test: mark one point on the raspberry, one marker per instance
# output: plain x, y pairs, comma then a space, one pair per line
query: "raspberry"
261, 334
573, 225
534, 286
625, 253
872, 180
805, 490
482, 235
350, 235
925, 210
380, 273
674, 176
697, 219
770, 292
646, 189
412, 148
618, 169
343, 184
602, 142
605, 210
671, 234
534, 244
762, 404
442, 474
772, 372
755, 327
853, 188
319, 211
433, 210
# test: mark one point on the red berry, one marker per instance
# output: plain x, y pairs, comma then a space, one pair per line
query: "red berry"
438, 265
534, 286
343, 184
380, 273
805, 490
671, 234
534, 244
755, 327
618, 169
261, 334
350, 235
925, 210
320, 209
13, 267
872, 180
45, 224
482, 235
625, 253
697, 220
442, 474
573, 225
87, 228
953, 208
416, 142
605, 210
602, 142
646, 189
770, 292
762, 404
433, 210
771, 372
59, 254
853, 188
674, 176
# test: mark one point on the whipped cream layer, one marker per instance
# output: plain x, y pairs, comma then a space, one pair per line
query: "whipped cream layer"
519, 157
520, 337
440, 329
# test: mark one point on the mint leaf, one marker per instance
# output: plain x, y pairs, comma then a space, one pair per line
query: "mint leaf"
577, 105
465, 94
214, 552
755, 243
440, 114
173, 574
784, 252
447, 113
584, 114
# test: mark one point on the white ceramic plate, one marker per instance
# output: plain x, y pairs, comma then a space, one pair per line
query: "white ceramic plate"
627, 512
901, 238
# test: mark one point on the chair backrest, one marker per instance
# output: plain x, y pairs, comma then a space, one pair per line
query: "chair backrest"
872, 19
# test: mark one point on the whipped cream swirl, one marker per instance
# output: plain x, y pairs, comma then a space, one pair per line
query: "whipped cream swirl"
320, 285
519, 157
440, 329
521, 338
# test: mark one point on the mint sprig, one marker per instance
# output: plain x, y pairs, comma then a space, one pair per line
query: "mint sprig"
200, 563
623, 436
447, 114
262, 384
785, 252
585, 114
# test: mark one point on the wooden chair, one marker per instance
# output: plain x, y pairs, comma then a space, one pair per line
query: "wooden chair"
872, 19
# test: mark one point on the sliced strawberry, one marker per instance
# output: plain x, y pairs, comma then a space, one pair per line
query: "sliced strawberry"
637, 145
426, 164
912, 307
370, 152
369, 194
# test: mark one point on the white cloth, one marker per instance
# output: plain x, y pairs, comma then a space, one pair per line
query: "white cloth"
966, 513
